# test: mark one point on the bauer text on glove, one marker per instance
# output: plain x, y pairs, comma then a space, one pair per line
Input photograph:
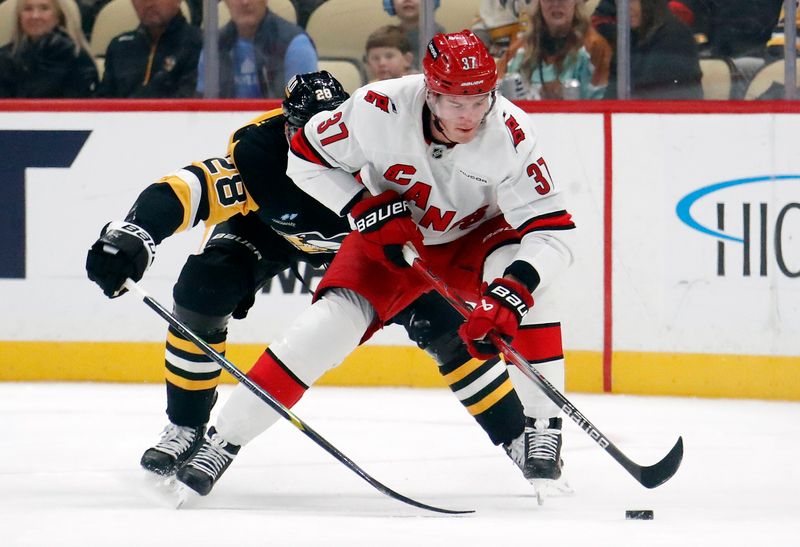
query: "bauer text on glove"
502, 306
123, 251
384, 222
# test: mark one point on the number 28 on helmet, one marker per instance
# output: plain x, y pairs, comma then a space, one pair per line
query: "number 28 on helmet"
307, 94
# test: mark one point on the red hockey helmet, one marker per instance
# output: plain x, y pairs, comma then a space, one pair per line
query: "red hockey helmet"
459, 64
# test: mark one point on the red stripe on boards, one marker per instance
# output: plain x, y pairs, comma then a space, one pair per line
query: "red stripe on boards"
607, 254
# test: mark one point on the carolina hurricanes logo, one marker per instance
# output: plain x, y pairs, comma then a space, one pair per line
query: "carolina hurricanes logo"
380, 101
517, 134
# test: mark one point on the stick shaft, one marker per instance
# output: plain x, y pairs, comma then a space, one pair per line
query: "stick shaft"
649, 477
273, 403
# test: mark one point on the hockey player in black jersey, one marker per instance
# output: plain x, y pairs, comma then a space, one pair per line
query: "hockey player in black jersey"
264, 224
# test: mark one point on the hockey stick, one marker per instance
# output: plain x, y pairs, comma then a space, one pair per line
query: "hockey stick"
276, 405
648, 476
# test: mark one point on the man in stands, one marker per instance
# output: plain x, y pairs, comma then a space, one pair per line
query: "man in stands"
156, 60
259, 52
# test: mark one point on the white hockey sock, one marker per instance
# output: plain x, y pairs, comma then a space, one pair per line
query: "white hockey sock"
535, 403
319, 339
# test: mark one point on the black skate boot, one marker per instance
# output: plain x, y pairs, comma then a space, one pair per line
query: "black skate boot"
176, 445
537, 452
206, 466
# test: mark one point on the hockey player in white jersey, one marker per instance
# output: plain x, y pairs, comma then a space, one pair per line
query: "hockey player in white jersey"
448, 165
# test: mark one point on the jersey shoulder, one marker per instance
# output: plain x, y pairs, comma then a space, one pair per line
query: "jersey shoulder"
395, 96
515, 125
267, 125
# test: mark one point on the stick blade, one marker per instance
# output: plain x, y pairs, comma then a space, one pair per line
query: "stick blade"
659, 473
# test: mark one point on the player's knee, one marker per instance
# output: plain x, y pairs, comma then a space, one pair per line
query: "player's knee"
432, 324
214, 284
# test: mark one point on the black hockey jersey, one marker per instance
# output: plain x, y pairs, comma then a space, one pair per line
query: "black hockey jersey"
251, 179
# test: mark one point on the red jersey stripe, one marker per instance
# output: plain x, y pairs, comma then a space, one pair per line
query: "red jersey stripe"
302, 148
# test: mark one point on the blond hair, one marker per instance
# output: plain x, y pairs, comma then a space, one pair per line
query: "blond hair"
69, 20
537, 30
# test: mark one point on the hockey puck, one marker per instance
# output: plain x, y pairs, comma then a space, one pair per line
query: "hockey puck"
639, 514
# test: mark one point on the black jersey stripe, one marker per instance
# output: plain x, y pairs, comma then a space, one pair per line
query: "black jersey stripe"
487, 391
474, 375
192, 357
193, 376
215, 338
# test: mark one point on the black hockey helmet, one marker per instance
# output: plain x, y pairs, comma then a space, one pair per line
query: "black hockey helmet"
309, 93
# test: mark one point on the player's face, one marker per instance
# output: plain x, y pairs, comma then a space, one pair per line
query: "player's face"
38, 17
461, 115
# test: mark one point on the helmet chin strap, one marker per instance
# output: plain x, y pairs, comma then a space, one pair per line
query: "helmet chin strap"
440, 128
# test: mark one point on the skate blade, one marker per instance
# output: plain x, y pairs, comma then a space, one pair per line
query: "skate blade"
184, 496
549, 488
167, 491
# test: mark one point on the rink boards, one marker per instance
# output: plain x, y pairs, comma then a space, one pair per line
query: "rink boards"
686, 277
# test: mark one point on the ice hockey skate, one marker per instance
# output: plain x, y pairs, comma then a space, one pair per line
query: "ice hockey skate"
537, 452
176, 445
202, 470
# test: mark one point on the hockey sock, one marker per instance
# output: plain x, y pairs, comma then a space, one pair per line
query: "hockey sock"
191, 378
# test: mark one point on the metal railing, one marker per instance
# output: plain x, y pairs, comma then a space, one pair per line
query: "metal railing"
427, 26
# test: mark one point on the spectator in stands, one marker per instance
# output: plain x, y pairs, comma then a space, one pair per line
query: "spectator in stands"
664, 59
156, 60
259, 52
408, 11
733, 28
560, 56
500, 23
388, 53
48, 55
776, 45
725, 28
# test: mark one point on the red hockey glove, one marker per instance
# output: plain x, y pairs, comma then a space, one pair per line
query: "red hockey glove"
501, 309
384, 222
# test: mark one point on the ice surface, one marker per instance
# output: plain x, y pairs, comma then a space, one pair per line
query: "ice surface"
70, 475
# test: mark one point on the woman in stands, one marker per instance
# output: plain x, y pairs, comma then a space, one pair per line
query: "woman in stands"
560, 56
664, 59
48, 55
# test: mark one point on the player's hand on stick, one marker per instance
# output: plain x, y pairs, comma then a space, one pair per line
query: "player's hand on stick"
503, 305
123, 251
384, 222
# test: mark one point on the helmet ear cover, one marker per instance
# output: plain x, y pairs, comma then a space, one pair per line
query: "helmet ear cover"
459, 64
307, 94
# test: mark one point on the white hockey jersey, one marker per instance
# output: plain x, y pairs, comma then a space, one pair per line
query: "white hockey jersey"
378, 133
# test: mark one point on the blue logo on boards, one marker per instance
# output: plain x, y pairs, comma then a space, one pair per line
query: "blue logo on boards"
20, 150
781, 238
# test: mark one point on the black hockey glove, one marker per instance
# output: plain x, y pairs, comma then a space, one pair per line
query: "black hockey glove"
123, 251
